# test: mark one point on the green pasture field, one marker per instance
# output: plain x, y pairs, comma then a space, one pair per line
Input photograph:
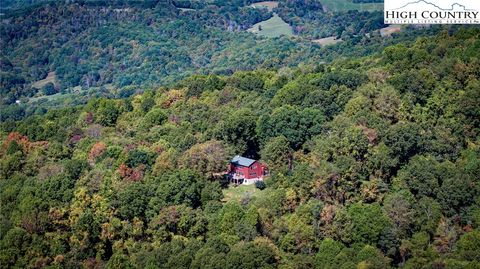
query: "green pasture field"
273, 27
345, 5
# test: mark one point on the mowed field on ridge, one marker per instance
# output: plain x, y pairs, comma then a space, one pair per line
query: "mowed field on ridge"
273, 27
270, 5
345, 5
51, 77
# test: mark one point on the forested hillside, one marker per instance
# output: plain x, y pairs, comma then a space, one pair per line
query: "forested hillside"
373, 161
90, 44
62, 53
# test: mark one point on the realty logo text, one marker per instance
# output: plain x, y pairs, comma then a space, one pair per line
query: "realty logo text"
432, 12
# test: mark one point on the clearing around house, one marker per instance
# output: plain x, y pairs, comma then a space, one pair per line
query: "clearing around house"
239, 192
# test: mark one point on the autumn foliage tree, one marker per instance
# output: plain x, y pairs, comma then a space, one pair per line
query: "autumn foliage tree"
206, 158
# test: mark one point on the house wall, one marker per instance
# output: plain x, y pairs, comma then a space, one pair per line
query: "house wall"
256, 170
243, 170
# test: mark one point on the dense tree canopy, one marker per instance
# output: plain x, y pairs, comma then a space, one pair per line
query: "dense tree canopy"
373, 161
61, 53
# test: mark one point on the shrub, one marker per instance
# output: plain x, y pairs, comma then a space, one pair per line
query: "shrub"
260, 185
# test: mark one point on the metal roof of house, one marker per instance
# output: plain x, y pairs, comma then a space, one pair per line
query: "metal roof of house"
239, 160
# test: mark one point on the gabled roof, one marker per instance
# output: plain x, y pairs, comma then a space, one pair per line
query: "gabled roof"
239, 160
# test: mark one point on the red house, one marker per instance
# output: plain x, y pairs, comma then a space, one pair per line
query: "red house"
246, 171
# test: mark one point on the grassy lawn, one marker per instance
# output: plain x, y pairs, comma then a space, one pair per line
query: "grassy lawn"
272, 27
388, 31
51, 77
48, 98
327, 41
344, 5
237, 193
268, 4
